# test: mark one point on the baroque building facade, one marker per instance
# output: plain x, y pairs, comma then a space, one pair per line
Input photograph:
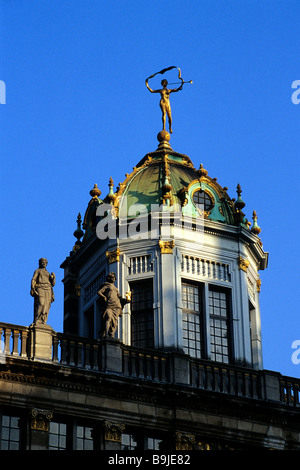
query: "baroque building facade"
184, 370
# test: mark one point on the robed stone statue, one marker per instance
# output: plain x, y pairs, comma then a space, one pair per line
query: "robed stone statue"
113, 304
42, 284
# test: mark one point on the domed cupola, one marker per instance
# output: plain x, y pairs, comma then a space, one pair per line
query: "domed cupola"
194, 286
168, 179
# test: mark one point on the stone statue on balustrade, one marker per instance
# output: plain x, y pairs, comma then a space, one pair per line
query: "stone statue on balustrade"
42, 284
113, 304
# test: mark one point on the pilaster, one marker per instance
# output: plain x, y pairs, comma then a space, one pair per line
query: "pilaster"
168, 295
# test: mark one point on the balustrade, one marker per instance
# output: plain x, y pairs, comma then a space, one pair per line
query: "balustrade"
13, 340
290, 391
145, 365
226, 379
155, 366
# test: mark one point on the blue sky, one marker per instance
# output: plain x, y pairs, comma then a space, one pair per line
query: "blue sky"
77, 112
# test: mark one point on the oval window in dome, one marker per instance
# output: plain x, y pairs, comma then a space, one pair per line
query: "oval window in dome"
203, 200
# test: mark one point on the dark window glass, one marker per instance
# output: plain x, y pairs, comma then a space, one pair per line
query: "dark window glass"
89, 322
152, 443
142, 322
84, 439
128, 442
191, 320
10, 433
219, 326
203, 200
57, 436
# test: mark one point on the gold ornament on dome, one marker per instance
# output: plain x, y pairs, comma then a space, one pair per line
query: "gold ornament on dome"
95, 192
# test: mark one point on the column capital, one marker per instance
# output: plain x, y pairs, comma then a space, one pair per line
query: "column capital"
40, 419
166, 246
113, 431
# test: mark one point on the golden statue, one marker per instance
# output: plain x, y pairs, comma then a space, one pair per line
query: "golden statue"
165, 96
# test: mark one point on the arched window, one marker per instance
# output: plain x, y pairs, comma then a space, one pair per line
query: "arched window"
202, 200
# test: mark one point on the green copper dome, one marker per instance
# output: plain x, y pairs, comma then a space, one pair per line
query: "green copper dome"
167, 179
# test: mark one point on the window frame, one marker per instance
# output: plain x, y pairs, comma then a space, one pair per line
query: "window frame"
147, 340
206, 196
10, 442
200, 352
221, 318
208, 338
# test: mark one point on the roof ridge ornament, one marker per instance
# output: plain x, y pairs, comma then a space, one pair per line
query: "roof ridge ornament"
202, 171
95, 192
239, 204
78, 233
111, 195
255, 228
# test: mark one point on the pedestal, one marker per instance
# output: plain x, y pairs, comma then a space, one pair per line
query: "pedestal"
41, 340
111, 354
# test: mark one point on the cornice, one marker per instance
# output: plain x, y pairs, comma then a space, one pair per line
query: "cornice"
171, 396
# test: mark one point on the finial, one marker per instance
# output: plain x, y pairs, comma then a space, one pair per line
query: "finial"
78, 233
255, 228
95, 192
202, 171
167, 185
239, 203
163, 138
111, 196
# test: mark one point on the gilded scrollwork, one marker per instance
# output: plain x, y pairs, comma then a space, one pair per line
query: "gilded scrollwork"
166, 246
113, 256
113, 431
243, 263
258, 285
40, 419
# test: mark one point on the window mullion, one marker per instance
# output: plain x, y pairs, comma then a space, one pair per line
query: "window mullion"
206, 326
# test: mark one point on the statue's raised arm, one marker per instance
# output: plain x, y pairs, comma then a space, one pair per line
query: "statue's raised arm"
150, 89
